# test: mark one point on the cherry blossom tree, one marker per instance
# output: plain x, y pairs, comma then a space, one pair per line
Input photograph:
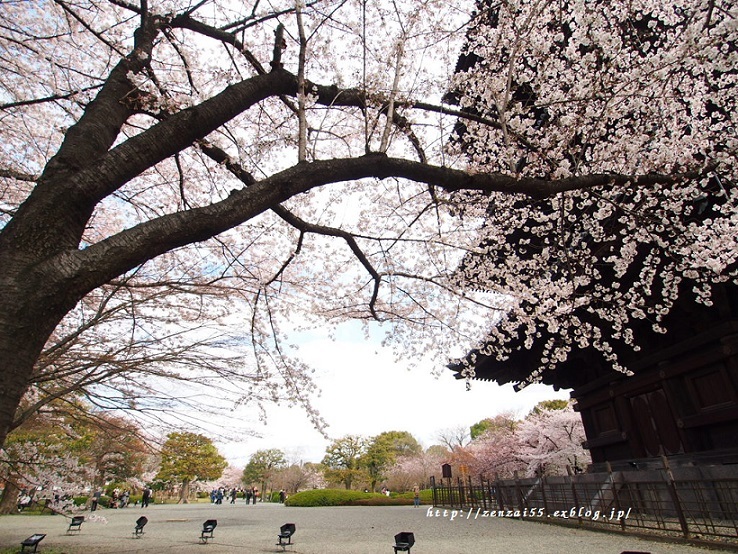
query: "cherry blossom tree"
550, 441
546, 442
230, 479
39, 455
300, 476
497, 452
417, 469
65, 448
298, 157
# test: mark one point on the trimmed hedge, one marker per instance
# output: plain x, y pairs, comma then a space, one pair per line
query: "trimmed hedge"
340, 497
331, 497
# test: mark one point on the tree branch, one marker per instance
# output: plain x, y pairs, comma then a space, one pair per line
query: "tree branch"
50, 98
219, 156
186, 22
119, 253
18, 175
87, 26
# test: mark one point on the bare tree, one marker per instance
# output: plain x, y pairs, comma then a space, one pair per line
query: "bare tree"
454, 438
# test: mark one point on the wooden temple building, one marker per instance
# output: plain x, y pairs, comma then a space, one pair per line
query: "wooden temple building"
681, 402
682, 399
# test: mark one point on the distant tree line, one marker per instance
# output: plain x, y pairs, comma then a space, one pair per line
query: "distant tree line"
68, 451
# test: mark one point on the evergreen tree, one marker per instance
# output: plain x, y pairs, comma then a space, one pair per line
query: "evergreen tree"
188, 457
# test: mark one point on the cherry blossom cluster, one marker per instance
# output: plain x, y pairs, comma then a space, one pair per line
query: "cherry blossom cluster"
580, 88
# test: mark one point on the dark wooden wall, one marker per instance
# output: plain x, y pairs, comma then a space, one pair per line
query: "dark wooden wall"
681, 403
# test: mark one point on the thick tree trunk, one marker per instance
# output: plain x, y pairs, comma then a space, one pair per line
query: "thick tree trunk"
184, 493
19, 350
28, 316
9, 502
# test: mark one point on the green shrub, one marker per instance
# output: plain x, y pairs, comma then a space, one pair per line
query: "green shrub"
203, 494
330, 497
103, 502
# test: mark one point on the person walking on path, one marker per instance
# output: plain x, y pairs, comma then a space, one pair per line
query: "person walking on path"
95, 500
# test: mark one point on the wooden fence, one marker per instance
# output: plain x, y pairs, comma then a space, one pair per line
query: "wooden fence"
689, 502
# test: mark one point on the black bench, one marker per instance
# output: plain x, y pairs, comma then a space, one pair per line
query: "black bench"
76, 524
32, 541
140, 524
403, 542
207, 529
285, 535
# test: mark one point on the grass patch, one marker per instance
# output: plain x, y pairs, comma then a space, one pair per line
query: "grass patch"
426, 496
383, 500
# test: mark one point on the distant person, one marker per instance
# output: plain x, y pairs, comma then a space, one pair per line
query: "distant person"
95, 500
282, 496
416, 496
24, 502
248, 494
255, 493
145, 497
234, 493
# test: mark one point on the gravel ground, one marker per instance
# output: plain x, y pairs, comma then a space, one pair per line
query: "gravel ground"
334, 530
